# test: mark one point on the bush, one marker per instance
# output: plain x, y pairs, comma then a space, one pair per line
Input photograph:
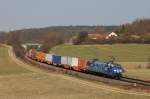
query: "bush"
81, 38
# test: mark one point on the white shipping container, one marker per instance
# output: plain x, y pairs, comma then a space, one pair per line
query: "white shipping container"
74, 61
69, 61
48, 57
64, 60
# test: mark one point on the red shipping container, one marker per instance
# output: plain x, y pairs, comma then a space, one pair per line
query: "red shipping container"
40, 56
81, 65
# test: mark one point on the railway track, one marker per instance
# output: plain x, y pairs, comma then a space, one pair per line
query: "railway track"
124, 81
136, 81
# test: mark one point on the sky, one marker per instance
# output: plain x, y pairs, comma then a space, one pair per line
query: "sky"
20, 14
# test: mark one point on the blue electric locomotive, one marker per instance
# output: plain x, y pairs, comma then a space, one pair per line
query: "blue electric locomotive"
108, 69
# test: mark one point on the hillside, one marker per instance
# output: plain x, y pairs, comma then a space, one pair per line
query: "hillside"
29, 82
38, 34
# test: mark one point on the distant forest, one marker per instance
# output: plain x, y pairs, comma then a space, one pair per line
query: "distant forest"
36, 34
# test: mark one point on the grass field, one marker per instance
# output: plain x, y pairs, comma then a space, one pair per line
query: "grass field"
136, 69
131, 56
122, 52
20, 82
38, 86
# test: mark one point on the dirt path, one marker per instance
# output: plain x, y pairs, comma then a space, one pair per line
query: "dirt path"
82, 82
20, 63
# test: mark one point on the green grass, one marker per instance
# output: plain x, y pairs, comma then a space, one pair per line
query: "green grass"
122, 52
7, 66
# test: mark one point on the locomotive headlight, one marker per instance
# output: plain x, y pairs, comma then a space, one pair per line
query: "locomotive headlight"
115, 70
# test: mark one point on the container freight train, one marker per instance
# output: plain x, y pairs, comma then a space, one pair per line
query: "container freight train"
78, 64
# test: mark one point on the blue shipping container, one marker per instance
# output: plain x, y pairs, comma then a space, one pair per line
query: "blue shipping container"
56, 59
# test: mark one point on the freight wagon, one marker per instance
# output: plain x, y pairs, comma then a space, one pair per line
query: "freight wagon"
109, 69
81, 64
56, 60
40, 56
66, 62
48, 59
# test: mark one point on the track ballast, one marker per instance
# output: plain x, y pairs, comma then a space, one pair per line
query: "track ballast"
136, 81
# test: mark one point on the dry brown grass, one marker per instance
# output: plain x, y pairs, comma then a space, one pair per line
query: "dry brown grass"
41, 86
136, 70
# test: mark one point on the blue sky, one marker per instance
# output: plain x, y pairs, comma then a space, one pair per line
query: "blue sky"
19, 14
